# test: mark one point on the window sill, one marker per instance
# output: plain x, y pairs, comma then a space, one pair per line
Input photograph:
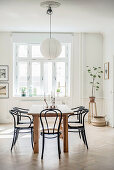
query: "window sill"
39, 98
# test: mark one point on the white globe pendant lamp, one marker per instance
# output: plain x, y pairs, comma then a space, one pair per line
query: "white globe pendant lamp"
50, 48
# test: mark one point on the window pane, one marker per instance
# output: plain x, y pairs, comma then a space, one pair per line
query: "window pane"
22, 51
36, 51
48, 78
36, 90
62, 55
60, 78
22, 77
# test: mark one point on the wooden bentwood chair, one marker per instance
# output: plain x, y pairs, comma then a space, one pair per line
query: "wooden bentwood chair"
77, 123
21, 126
50, 129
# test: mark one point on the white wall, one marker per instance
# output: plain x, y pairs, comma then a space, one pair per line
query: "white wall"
87, 50
109, 84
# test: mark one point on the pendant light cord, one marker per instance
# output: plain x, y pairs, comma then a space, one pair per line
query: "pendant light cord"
49, 12
50, 26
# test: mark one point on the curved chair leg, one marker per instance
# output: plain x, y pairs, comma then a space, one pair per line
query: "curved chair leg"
79, 134
59, 150
43, 141
14, 140
85, 139
82, 136
32, 138
16, 135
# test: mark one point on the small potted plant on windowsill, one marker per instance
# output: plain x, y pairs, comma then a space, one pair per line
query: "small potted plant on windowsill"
58, 92
23, 91
95, 74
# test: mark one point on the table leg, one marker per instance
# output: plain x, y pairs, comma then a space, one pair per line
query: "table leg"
36, 134
65, 133
61, 129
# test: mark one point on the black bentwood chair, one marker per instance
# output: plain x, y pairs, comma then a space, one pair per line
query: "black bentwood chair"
50, 122
78, 110
77, 125
20, 127
21, 120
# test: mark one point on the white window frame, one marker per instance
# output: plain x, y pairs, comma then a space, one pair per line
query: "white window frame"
29, 61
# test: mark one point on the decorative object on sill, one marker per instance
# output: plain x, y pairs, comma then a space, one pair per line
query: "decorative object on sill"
4, 90
95, 73
59, 89
52, 100
34, 92
106, 70
30, 92
50, 48
98, 121
4, 72
45, 100
23, 91
46, 103
52, 105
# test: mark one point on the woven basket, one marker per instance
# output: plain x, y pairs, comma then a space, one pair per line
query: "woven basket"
98, 121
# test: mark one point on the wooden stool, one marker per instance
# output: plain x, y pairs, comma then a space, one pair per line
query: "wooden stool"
92, 109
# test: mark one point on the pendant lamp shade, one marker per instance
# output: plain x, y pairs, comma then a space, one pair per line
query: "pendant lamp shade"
50, 48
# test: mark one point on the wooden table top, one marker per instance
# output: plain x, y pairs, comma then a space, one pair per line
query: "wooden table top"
36, 109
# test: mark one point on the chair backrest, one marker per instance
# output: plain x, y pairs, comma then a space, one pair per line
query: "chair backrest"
82, 113
79, 112
20, 110
14, 113
50, 120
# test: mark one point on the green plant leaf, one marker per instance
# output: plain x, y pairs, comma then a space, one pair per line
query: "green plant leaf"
94, 76
91, 74
97, 87
99, 76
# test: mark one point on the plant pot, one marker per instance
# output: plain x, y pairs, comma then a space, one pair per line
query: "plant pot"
23, 94
92, 99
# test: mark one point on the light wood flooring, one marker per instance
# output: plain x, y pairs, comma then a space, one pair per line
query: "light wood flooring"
100, 155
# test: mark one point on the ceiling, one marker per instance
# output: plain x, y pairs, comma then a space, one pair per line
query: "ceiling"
71, 16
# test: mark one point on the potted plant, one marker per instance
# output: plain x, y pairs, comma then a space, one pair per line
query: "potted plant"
95, 74
23, 91
58, 91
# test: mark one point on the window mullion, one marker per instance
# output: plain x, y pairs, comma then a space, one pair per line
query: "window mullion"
54, 76
42, 77
15, 71
29, 71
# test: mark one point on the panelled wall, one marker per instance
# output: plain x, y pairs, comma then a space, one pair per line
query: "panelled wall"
108, 56
87, 49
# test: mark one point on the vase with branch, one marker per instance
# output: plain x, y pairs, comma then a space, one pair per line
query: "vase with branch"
95, 73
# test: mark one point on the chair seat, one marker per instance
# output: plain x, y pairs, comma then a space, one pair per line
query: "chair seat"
50, 131
75, 125
25, 121
24, 126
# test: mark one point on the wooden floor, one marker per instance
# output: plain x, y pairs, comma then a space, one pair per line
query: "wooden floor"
100, 155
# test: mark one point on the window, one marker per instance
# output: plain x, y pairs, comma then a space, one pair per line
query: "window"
34, 75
